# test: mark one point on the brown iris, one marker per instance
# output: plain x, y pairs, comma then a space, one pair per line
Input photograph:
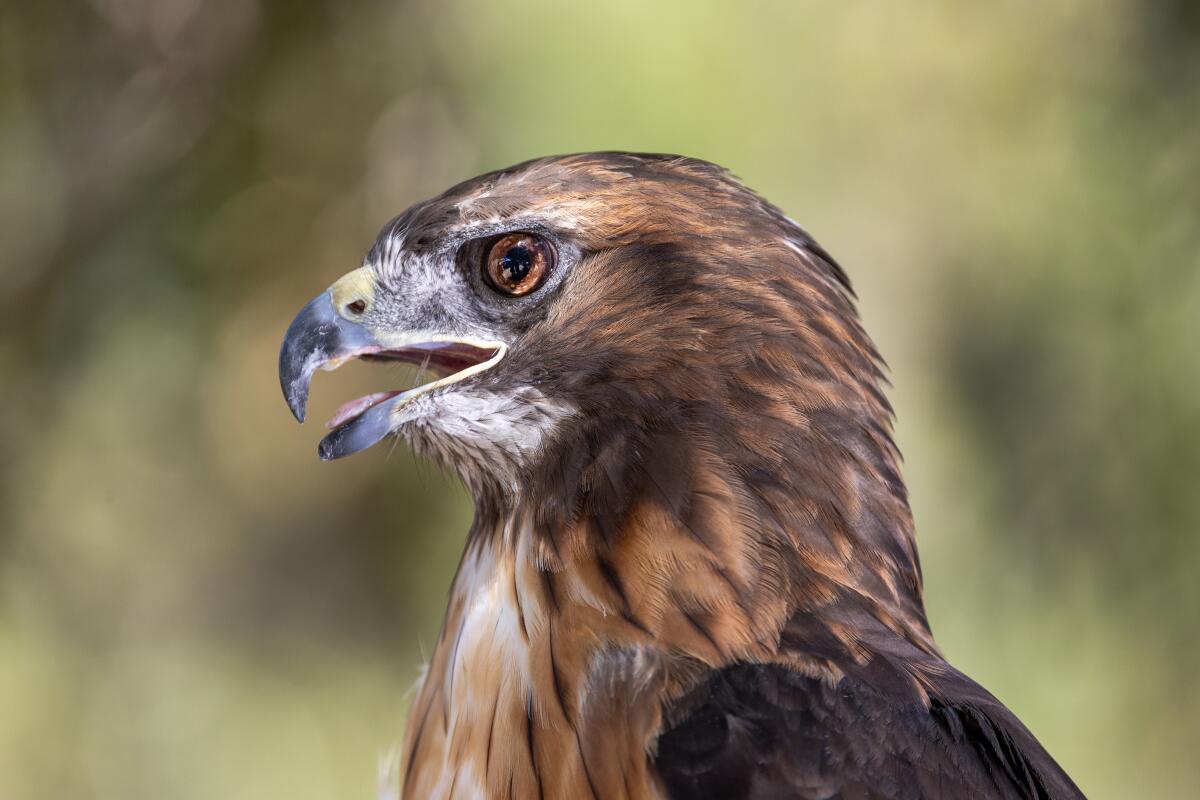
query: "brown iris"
518, 263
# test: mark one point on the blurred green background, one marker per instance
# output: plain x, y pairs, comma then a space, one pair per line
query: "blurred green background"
192, 606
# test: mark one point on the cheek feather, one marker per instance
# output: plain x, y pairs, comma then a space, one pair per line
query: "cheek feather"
485, 435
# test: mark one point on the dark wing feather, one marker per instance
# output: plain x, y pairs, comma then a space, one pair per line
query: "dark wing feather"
766, 731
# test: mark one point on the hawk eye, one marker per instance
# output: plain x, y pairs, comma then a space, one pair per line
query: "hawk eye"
517, 263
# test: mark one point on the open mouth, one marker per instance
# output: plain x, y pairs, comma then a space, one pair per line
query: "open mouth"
320, 337
449, 361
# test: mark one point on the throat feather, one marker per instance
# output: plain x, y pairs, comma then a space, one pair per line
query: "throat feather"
512, 659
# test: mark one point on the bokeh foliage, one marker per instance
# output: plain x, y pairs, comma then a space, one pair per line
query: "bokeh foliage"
191, 606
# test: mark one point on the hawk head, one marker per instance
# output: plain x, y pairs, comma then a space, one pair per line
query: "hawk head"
609, 327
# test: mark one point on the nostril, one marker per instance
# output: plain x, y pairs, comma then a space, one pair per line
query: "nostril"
356, 307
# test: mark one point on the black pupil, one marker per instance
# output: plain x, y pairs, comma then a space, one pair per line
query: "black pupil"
517, 263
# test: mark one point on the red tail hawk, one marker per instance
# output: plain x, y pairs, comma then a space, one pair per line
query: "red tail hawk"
692, 571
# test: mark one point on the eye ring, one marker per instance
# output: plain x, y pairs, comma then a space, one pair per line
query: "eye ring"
517, 263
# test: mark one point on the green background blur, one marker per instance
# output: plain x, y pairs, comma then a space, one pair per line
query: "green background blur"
192, 606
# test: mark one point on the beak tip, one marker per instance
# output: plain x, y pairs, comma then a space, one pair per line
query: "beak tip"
326, 451
295, 393
298, 406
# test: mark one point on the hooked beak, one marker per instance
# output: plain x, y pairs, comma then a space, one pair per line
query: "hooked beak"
317, 337
322, 338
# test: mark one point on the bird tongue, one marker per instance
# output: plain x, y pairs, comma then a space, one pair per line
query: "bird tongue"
355, 408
